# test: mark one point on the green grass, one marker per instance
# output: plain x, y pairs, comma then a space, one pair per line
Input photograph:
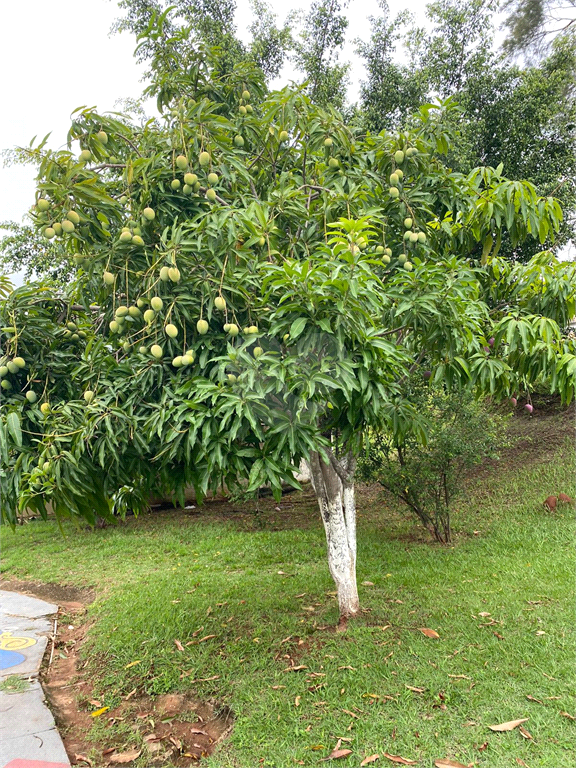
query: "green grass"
165, 576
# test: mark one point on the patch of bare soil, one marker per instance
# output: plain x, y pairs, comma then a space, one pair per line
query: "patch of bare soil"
70, 598
171, 730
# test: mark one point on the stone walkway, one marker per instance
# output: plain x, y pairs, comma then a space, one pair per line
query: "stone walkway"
28, 735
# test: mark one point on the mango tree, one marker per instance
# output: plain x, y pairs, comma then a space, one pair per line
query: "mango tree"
255, 283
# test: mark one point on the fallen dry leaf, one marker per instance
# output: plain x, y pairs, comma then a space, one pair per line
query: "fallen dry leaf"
368, 760
277, 687
198, 730
567, 714
125, 757
295, 669
367, 583
99, 712
83, 759
133, 663
416, 690
399, 759
178, 645
129, 695
460, 677
297, 701
526, 734
352, 668
509, 726
428, 632
208, 637
337, 753
482, 747
445, 763
177, 743
521, 762
531, 698
484, 614
347, 712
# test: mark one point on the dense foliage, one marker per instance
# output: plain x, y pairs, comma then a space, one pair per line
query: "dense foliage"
461, 432
255, 281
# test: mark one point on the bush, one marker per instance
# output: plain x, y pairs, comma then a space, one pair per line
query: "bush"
427, 476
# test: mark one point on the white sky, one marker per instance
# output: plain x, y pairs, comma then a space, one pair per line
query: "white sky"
57, 55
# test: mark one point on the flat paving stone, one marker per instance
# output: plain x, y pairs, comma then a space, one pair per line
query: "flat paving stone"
12, 603
28, 734
45, 746
38, 717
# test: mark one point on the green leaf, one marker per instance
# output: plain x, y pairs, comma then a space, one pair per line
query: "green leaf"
14, 428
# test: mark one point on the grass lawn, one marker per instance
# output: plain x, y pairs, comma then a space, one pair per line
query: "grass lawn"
257, 586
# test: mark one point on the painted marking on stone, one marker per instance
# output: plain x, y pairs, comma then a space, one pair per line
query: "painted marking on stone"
20, 763
10, 643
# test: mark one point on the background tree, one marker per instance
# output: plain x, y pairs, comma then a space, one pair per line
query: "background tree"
523, 117
533, 24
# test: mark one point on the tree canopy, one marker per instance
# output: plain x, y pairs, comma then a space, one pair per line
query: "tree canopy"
255, 281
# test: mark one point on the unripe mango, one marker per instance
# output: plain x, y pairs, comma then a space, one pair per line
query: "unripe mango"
156, 351
399, 156
31, 396
171, 330
408, 266
85, 156
121, 311
204, 159
108, 278
73, 217
175, 184
333, 163
134, 311
49, 232
45, 408
6, 384
211, 195
202, 327
177, 362
182, 162
68, 227
393, 192
238, 141
421, 237
283, 136
88, 396
220, 302
246, 95
102, 136
42, 204
408, 222
233, 329
156, 303
20, 362
190, 179
125, 237
57, 228
3, 371
149, 213
12, 367
257, 352
394, 179
174, 274
212, 178
149, 316
114, 326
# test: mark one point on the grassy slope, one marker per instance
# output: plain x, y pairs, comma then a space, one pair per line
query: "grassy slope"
161, 578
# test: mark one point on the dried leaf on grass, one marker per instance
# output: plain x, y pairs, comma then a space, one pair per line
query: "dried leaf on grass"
178, 645
568, 715
297, 701
445, 763
531, 698
526, 734
399, 759
337, 753
509, 726
428, 632
125, 757
295, 669
83, 759
368, 760
415, 689
198, 730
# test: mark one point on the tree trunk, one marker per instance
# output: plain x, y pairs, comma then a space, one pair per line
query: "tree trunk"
334, 488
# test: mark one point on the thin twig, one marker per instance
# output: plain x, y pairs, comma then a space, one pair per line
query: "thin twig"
53, 642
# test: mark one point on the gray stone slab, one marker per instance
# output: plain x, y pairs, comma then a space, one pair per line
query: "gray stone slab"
12, 603
45, 745
22, 624
33, 654
24, 713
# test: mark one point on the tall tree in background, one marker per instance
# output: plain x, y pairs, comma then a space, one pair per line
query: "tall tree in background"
534, 24
523, 117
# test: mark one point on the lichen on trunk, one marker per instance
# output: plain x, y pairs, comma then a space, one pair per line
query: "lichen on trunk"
333, 485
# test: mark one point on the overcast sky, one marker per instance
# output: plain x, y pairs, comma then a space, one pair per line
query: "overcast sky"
58, 55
